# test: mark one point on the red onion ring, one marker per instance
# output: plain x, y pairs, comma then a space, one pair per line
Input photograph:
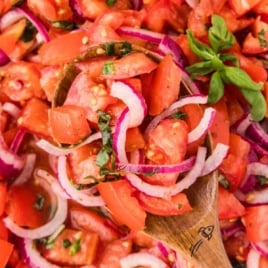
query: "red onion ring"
261, 247
193, 99
79, 196
256, 133
167, 191
77, 12
47, 229
147, 168
215, 159
33, 256
10, 107
257, 168
203, 126
119, 138
253, 258
10, 18
141, 259
257, 196
133, 99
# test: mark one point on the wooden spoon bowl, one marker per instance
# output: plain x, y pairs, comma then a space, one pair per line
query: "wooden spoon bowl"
195, 234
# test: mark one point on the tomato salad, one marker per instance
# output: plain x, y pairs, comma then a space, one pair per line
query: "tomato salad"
106, 107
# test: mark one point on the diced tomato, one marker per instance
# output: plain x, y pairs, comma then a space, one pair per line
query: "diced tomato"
63, 48
113, 252
235, 110
21, 81
134, 139
124, 207
242, 7
3, 197
131, 65
256, 223
34, 117
263, 262
4, 232
73, 248
92, 96
165, 86
261, 7
68, 124
220, 127
90, 221
6, 251
27, 213
251, 45
239, 146
176, 205
229, 207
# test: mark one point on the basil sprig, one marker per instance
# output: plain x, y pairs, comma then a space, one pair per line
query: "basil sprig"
213, 63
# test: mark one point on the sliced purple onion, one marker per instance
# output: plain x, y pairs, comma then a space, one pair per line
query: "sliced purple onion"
256, 133
203, 127
119, 137
257, 196
253, 258
167, 191
10, 18
257, 168
215, 159
17, 140
168, 46
141, 259
10, 107
151, 168
4, 58
261, 247
35, 21
137, 4
76, 195
143, 34
77, 11
133, 99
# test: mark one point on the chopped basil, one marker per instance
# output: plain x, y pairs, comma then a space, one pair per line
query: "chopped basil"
110, 3
262, 39
262, 180
64, 25
108, 68
224, 182
117, 49
179, 115
40, 201
75, 247
213, 63
28, 33
66, 243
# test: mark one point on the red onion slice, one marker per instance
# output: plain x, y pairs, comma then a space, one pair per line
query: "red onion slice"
10, 18
35, 21
33, 256
4, 58
256, 133
215, 159
47, 229
167, 191
141, 259
119, 138
152, 37
257, 196
78, 196
10, 107
193, 99
57, 151
253, 258
203, 126
261, 247
77, 12
133, 99
147, 168
257, 168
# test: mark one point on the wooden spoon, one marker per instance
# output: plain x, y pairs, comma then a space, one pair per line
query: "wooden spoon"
195, 234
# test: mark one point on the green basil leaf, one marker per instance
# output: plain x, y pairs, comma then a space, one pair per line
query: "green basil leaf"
201, 50
257, 103
229, 57
200, 68
219, 36
216, 88
240, 78
64, 25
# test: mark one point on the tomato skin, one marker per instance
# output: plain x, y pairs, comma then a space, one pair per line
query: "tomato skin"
6, 251
3, 197
177, 205
165, 86
34, 117
24, 213
4, 232
134, 139
242, 7
124, 207
68, 124
84, 256
256, 223
229, 206
21, 81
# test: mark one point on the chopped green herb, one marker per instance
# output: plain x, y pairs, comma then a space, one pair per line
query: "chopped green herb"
28, 33
179, 115
110, 48
75, 247
108, 68
224, 182
40, 201
64, 25
262, 39
110, 3
213, 63
262, 180
126, 48
66, 243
